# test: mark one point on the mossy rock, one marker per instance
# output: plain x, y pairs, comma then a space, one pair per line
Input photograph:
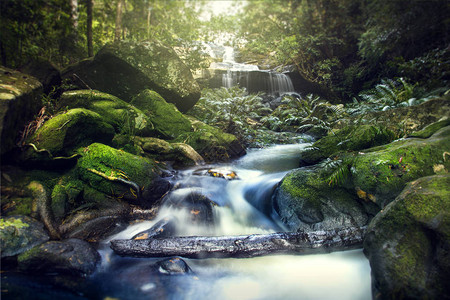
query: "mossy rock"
20, 101
210, 142
68, 131
350, 138
385, 170
114, 172
180, 154
124, 117
305, 201
407, 243
165, 117
431, 129
125, 68
19, 234
72, 256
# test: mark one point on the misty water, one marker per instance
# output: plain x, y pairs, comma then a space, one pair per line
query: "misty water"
242, 207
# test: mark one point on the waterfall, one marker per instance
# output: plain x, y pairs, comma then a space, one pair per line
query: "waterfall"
231, 73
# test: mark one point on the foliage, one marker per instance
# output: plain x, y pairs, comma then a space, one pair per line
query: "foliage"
386, 95
338, 171
231, 109
298, 114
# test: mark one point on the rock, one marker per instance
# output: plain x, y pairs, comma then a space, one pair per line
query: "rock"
173, 266
198, 208
211, 143
164, 228
68, 131
19, 234
115, 172
20, 101
305, 202
44, 71
350, 138
364, 183
181, 154
125, 68
165, 117
384, 171
408, 243
72, 256
125, 118
429, 130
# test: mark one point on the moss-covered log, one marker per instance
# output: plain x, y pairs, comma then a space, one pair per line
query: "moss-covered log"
243, 246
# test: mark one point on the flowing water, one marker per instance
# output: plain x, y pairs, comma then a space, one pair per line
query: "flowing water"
242, 206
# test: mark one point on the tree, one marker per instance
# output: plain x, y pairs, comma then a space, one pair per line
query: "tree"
119, 12
89, 6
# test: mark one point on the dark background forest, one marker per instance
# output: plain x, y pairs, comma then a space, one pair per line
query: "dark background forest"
345, 46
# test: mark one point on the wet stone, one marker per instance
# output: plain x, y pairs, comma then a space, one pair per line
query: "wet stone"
173, 266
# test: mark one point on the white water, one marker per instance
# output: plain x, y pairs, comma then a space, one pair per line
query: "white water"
340, 275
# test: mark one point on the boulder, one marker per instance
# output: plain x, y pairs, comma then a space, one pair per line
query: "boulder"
305, 201
20, 101
352, 189
165, 117
117, 173
211, 143
125, 68
44, 71
19, 234
181, 154
125, 118
349, 138
408, 243
382, 172
68, 131
72, 256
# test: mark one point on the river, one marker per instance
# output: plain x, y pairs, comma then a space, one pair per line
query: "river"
239, 209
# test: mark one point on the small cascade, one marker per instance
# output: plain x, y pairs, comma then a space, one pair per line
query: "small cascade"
229, 73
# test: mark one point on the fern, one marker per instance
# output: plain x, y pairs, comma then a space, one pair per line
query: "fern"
339, 171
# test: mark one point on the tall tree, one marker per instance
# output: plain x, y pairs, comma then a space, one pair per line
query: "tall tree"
119, 13
89, 6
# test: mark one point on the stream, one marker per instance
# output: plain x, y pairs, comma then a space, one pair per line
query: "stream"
241, 206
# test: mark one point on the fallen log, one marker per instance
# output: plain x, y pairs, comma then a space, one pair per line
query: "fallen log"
243, 246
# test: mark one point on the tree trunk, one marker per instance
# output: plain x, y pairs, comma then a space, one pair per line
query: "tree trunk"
90, 49
118, 28
243, 246
74, 13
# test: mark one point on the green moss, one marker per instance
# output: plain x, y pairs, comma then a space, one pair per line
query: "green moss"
75, 128
12, 222
430, 129
115, 164
165, 117
210, 142
349, 138
384, 171
116, 112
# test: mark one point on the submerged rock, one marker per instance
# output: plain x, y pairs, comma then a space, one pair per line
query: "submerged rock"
408, 243
126, 68
173, 266
72, 256
19, 234
20, 101
164, 228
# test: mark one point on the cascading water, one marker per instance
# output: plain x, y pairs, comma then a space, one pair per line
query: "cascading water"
241, 206
249, 76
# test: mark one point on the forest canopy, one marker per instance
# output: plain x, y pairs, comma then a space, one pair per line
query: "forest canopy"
344, 45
